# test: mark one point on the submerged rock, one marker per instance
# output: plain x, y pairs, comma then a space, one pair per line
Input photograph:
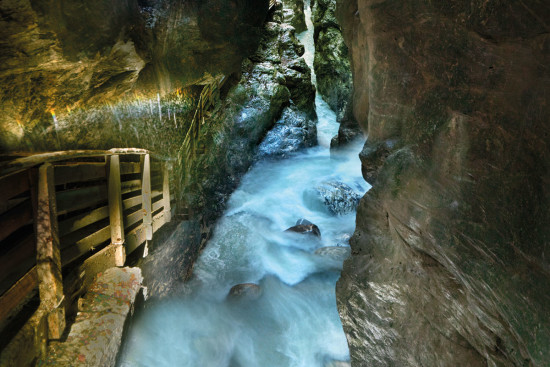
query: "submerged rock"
245, 291
334, 252
304, 226
336, 197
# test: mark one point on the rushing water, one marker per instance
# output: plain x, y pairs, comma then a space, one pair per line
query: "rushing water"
294, 322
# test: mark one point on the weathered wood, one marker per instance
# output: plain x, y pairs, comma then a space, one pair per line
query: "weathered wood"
85, 245
50, 157
131, 202
137, 237
136, 216
72, 200
79, 172
115, 210
17, 261
127, 168
129, 186
15, 218
48, 258
146, 198
13, 185
75, 223
17, 293
166, 193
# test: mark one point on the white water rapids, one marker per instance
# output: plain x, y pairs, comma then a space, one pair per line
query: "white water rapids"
295, 321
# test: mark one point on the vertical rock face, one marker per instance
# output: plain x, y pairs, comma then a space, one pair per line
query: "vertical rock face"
333, 70
450, 259
59, 55
293, 11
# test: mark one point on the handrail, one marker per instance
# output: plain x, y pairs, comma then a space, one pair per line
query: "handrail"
50, 157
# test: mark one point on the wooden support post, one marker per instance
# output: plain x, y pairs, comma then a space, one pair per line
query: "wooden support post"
50, 282
166, 193
146, 198
115, 210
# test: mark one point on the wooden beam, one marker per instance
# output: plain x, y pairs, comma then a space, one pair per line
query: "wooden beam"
127, 168
137, 237
89, 243
75, 223
13, 185
72, 200
79, 172
115, 209
48, 257
15, 218
17, 293
146, 198
17, 261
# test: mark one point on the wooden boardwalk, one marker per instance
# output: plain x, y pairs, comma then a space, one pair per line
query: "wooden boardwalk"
67, 216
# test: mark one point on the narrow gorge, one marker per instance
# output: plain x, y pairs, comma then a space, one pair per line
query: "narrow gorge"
301, 183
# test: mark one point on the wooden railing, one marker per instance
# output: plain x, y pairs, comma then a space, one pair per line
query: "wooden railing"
64, 209
192, 144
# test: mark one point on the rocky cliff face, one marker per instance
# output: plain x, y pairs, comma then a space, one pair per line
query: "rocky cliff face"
450, 259
332, 68
274, 91
58, 56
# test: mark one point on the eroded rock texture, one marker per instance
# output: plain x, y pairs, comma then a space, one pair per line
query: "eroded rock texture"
333, 70
450, 260
57, 56
275, 85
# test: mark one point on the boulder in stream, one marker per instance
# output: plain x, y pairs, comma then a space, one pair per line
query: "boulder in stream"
245, 291
304, 226
337, 197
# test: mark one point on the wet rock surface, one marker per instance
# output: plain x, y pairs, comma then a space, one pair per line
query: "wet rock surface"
449, 261
337, 197
304, 226
246, 291
291, 133
294, 14
274, 90
336, 253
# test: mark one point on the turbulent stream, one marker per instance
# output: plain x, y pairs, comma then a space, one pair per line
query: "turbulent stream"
294, 320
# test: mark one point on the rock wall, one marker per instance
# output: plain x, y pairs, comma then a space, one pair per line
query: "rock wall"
274, 90
61, 55
450, 259
333, 70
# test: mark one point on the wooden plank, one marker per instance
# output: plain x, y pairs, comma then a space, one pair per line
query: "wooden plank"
74, 224
79, 172
15, 218
129, 186
48, 258
71, 200
83, 246
146, 198
19, 259
137, 215
116, 217
13, 185
127, 168
137, 237
133, 218
115, 202
17, 293
131, 202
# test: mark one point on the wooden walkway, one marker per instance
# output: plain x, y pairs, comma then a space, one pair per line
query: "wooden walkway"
67, 216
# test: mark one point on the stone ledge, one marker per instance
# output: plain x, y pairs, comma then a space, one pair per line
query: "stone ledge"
96, 334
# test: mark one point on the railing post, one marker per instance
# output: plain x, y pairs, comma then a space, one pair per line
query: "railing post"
115, 210
166, 194
48, 256
146, 198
